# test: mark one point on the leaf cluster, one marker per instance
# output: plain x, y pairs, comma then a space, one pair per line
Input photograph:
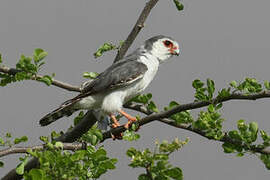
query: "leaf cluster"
156, 162
61, 164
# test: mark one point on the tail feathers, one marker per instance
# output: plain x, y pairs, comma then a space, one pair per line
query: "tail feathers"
56, 114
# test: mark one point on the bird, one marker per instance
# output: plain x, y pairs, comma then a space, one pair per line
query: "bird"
120, 82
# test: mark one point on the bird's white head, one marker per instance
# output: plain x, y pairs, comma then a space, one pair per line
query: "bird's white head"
162, 47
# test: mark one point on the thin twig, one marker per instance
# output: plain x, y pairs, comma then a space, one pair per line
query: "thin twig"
136, 29
57, 83
66, 146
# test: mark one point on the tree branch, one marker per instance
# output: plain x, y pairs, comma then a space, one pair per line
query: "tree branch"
163, 116
70, 136
60, 84
203, 134
89, 120
66, 146
136, 29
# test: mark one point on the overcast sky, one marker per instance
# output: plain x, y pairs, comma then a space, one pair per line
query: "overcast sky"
222, 40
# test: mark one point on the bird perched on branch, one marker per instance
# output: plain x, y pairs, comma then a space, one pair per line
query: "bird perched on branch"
120, 82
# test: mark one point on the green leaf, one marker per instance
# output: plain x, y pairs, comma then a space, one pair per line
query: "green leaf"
2, 142
228, 148
253, 127
178, 5
241, 125
266, 160
78, 118
235, 135
210, 88
265, 136
152, 106
38, 51
90, 75
130, 135
267, 85
1, 58
94, 140
104, 48
46, 79
175, 173
19, 140
1, 164
35, 174
144, 177
197, 84
233, 84
131, 152
59, 145
42, 55
8, 135
211, 108
20, 167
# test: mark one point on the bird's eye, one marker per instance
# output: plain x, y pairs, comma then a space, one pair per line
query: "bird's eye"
168, 43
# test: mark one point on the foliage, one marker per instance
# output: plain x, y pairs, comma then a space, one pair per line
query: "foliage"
27, 68
106, 47
156, 162
61, 164
178, 5
180, 117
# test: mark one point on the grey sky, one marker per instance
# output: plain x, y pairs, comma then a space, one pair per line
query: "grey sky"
221, 40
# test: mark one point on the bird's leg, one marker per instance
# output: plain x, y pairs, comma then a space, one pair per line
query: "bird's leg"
115, 125
115, 121
130, 118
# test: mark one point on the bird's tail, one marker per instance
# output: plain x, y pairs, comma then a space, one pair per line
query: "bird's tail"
64, 110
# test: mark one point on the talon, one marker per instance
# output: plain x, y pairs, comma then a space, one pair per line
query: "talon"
130, 118
120, 136
115, 125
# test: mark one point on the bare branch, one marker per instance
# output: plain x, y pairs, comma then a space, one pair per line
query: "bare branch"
66, 146
60, 84
136, 29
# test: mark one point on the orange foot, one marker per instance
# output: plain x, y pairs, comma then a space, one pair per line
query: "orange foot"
130, 118
115, 125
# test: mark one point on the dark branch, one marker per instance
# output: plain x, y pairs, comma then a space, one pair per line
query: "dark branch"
136, 29
163, 116
224, 139
60, 84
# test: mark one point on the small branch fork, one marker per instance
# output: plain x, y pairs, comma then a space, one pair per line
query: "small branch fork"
136, 29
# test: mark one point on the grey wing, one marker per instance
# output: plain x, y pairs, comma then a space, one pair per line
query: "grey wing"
120, 74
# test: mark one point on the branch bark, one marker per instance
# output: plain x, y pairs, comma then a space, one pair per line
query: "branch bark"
136, 29
57, 83
17, 150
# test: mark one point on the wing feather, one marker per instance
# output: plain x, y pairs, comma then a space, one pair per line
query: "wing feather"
120, 74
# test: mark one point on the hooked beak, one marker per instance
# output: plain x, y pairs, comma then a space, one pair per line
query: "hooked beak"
174, 51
